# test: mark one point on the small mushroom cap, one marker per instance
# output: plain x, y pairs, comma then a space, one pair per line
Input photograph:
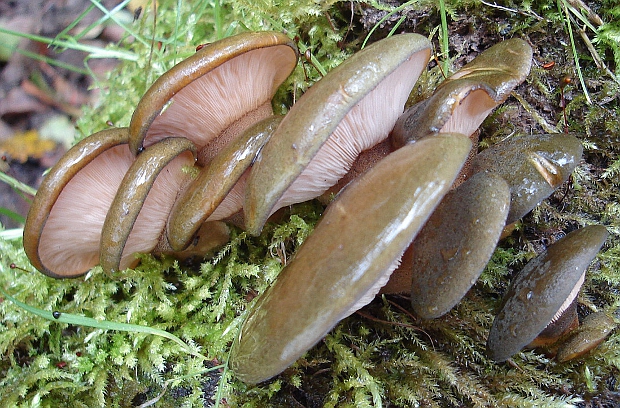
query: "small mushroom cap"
121, 226
345, 92
538, 293
213, 183
61, 234
533, 165
593, 331
360, 237
214, 89
456, 243
463, 101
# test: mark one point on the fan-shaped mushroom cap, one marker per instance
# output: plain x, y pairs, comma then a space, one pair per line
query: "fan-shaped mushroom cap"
456, 243
357, 242
62, 230
463, 101
218, 92
594, 328
542, 290
139, 211
533, 165
356, 104
207, 191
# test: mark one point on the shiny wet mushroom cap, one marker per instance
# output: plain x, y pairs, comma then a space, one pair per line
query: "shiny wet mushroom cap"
532, 165
350, 254
348, 111
464, 100
456, 243
138, 214
63, 232
542, 290
63, 226
216, 93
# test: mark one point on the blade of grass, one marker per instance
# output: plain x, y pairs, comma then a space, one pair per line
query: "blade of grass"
12, 215
95, 52
17, 185
100, 324
562, 7
445, 45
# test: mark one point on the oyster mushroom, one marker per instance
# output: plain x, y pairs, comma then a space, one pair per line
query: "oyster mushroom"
593, 331
350, 254
348, 111
119, 240
464, 100
204, 196
456, 243
49, 232
212, 96
545, 287
533, 165
62, 233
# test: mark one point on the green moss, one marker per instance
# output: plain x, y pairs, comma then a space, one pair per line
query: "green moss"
383, 355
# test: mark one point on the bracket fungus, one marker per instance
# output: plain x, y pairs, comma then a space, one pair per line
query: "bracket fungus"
348, 111
545, 287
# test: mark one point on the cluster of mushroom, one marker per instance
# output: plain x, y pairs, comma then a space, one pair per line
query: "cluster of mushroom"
180, 166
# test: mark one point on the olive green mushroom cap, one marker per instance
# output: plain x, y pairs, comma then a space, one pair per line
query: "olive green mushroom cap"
456, 243
533, 165
216, 93
357, 242
209, 190
350, 110
592, 332
464, 100
539, 292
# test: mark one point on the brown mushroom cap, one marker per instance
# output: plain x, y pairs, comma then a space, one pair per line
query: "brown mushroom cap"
532, 165
62, 230
357, 242
464, 100
355, 90
456, 243
219, 91
542, 290
220, 186
139, 211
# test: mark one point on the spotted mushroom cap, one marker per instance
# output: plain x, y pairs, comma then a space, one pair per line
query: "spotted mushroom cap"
351, 252
348, 111
542, 290
216, 93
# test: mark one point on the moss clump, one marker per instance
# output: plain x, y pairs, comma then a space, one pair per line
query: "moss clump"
382, 355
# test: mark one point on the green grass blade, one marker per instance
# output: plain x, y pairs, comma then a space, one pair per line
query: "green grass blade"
100, 324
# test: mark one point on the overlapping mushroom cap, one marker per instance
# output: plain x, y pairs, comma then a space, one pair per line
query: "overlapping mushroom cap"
349, 256
215, 94
542, 290
350, 110
63, 230
464, 100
